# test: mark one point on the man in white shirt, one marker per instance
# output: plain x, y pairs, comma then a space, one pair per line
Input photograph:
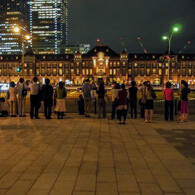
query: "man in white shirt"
21, 98
34, 98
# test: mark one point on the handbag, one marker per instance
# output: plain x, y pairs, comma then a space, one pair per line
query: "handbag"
116, 102
153, 94
24, 91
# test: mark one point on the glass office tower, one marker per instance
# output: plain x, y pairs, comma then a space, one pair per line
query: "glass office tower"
48, 25
12, 13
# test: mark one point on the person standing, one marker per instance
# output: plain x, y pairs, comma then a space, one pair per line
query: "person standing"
22, 92
81, 105
169, 96
47, 92
60, 95
87, 87
101, 101
149, 102
114, 91
122, 107
142, 101
12, 99
184, 101
133, 99
34, 98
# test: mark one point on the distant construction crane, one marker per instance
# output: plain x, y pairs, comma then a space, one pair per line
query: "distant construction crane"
185, 47
141, 44
123, 45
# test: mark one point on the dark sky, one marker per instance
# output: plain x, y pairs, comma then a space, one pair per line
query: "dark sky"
109, 20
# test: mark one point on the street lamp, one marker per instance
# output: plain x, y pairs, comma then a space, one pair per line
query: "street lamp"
169, 38
24, 37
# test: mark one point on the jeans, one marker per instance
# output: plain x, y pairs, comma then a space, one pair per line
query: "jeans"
168, 110
87, 105
47, 109
133, 109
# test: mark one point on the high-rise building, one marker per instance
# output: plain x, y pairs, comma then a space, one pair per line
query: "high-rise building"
48, 25
12, 13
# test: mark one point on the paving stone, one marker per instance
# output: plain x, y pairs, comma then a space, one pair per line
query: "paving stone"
127, 183
80, 156
167, 184
85, 182
106, 189
20, 187
62, 188
150, 189
106, 175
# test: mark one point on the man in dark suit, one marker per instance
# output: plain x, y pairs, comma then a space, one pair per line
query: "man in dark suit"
47, 92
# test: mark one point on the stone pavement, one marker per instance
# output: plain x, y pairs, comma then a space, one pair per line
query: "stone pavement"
88, 156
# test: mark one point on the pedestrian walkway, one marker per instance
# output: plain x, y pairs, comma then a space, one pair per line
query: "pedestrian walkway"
90, 156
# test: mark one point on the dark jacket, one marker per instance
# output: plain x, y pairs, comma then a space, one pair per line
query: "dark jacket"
47, 94
122, 95
101, 93
133, 94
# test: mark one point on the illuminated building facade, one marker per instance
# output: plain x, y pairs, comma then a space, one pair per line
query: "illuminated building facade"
12, 13
72, 49
48, 25
101, 62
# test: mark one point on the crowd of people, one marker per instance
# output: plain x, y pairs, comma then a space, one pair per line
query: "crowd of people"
122, 100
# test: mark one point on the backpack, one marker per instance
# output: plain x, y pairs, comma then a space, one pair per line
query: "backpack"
153, 94
24, 92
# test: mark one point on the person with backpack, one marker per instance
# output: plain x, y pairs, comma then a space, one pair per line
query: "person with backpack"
133, 99
149, 106
22, 93
60, 95
47, 93
34, 98
12, 97
86, 89
169, 96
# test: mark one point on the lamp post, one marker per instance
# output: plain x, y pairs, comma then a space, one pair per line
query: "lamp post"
24, 37
174, 30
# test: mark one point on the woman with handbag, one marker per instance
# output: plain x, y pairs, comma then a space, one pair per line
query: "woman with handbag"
12, 99
60, 95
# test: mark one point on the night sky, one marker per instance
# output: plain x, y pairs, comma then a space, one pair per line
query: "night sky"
109, 20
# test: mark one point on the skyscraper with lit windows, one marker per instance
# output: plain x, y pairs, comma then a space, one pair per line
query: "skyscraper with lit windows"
12, 13
48, 25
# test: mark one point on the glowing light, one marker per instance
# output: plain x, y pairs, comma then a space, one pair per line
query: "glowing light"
27, 37
165, 37
16, 29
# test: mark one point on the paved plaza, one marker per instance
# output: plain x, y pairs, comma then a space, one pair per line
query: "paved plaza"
90, 156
